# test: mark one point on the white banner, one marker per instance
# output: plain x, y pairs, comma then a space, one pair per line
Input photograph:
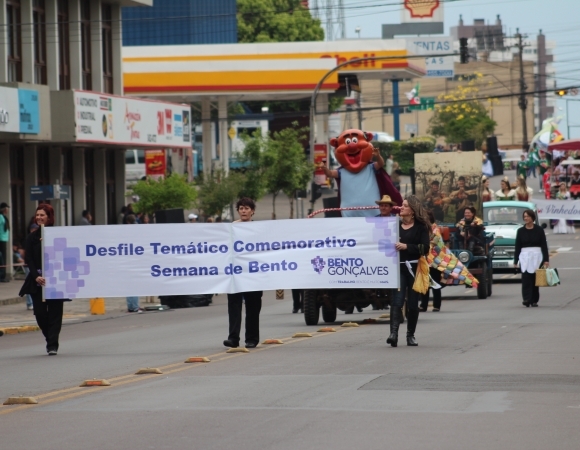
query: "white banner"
183, 259
122, 120
558, 209
9, 110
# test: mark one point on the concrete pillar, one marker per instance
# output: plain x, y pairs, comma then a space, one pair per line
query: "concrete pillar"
117, 50
100, 212
96, 46
52, 40
76, 44
5, 196
79, 185
120, 186
3, 44
321, 120
30, 179
55, 173
27, 42
206, 134
223, 132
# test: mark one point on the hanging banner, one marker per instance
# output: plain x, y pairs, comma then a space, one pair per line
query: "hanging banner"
558, 209
184, 259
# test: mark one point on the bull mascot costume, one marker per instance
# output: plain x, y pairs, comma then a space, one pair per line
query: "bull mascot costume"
360, 181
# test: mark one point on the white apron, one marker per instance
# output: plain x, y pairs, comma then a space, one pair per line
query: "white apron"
530, 259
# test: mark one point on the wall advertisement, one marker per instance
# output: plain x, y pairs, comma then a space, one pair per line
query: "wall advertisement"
120, 120
172, 259
9, 110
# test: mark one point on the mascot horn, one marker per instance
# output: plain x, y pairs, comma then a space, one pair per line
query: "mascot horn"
360, 181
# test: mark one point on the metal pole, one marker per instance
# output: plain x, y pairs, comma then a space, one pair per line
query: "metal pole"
523, 103
396, 124
567, 120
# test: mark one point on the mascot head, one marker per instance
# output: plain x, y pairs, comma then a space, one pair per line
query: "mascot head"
353, 149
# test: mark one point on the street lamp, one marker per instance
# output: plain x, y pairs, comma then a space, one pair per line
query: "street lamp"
357, 31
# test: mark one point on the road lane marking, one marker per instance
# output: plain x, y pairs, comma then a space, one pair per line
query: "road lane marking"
564, 249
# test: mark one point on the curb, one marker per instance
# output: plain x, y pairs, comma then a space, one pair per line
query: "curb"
17, 330
12, 301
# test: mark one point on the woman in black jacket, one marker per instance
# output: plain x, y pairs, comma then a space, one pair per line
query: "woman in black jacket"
48, 313
413, 243
531, 253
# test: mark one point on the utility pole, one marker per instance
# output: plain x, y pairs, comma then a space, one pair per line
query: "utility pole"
523, 102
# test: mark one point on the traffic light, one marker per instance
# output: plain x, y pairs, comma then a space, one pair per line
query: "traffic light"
561, 92
463, 51
316, 192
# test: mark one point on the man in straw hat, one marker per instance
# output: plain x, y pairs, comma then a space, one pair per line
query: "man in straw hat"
385, 206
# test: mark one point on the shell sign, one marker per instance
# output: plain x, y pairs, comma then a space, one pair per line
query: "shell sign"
422, 11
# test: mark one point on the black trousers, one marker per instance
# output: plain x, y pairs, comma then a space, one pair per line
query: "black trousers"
3, 260
253, 302
406, 289
49, 318
297, 297
530, 292
436, 275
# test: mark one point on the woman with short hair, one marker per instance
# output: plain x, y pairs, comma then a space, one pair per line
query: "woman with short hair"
531, 253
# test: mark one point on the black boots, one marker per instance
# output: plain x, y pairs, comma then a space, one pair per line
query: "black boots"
395, 320
412, 318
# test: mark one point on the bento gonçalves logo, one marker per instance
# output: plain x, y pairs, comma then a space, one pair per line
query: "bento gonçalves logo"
318, 264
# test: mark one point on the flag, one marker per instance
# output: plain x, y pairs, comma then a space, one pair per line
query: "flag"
555, 135
413, 96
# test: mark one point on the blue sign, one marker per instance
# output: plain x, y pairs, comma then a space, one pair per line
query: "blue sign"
50, 192
29, 111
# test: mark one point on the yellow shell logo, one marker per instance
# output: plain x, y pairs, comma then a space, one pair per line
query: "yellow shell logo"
421, 8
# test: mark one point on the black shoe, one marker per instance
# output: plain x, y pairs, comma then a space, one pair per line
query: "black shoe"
294, 311
526, 304
393, 339
535, 305
232, 344
52, 353
411, 342
251, 344
359, 309
422, 309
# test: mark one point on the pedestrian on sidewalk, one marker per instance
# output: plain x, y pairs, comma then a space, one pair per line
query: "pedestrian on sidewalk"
253, 300
413, 243
86, 218
48, 313
4, 237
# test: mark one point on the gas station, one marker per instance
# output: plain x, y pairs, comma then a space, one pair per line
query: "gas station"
225, 73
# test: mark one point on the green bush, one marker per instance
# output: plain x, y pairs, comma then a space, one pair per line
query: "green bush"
404, 151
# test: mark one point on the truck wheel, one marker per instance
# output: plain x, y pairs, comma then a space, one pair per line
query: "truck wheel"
482, 286
310, 307
349, 310
489, 282
328, 313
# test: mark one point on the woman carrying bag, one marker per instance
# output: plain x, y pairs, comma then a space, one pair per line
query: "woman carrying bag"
531, 253
413, 244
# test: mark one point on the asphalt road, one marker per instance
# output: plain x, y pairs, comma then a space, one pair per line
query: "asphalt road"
487, 374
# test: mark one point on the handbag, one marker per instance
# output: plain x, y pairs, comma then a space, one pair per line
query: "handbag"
541, 278
547, 277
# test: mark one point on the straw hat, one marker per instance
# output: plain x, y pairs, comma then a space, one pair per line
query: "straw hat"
386, 199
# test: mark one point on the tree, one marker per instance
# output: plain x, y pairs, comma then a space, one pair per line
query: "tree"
217, 191
463, 117
276, 21
166, 193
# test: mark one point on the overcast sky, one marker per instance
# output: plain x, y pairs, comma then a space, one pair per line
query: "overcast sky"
558, 20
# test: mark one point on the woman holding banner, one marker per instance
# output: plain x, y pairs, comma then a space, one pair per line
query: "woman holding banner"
413, 243
48, 313
253, 300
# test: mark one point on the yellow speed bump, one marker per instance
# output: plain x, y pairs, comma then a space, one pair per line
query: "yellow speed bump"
385, 316
21, 401
148, 370
95, 382
272, 341
327, 330
238, 350
197, 359
349, 324
299, 335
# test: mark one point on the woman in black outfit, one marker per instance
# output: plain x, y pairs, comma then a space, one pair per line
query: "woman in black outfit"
48, 313
413, 243
531, 253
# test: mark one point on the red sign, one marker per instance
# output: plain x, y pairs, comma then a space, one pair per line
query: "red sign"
168, 121
155, 163
421, 8
320, 156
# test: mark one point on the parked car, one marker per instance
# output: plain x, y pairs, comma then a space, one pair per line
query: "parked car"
504, 218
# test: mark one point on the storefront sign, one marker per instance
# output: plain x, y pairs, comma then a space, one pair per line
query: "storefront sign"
121, 120
29, 111
437, 66
558, 209
9, 122
155, 163
422, 11
176, 259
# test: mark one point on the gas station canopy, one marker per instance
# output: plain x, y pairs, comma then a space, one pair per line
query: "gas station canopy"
279, 71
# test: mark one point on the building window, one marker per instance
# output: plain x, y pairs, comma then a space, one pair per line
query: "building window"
14, 30
18, 197
86, 44
63, 45
107, 38
90, 181
39, 21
